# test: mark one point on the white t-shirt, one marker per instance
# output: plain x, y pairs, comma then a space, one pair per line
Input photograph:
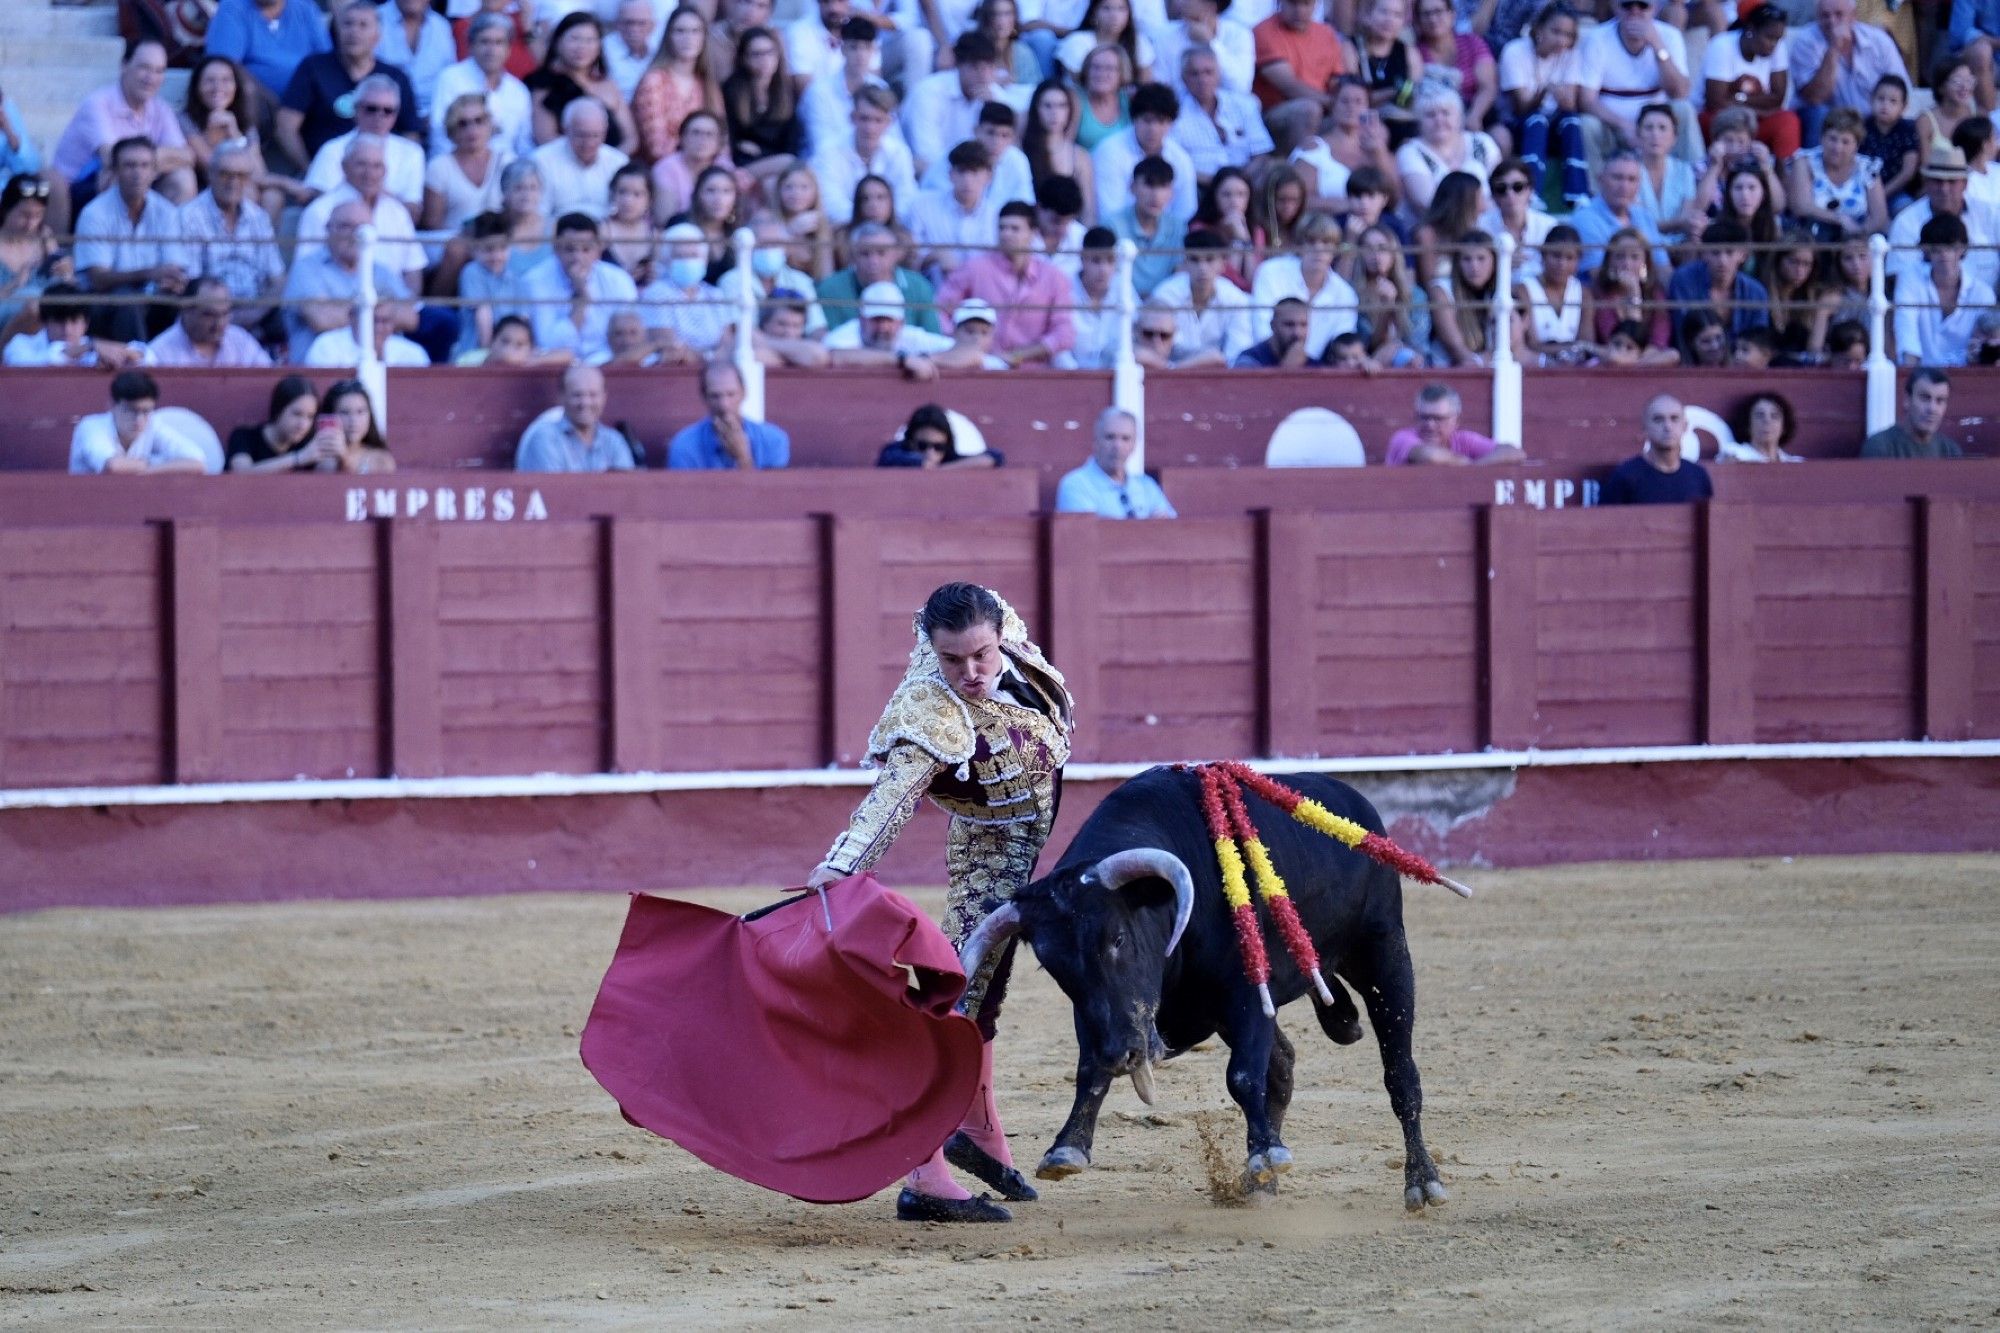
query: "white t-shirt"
337, 349
1521, 68
1333, 173
1724, 62
95, 443
405, 162
1625, 82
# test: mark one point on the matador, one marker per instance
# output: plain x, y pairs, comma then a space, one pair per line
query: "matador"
980, 725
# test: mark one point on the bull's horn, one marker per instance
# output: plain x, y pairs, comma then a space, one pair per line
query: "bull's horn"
1000, 925
1121, 868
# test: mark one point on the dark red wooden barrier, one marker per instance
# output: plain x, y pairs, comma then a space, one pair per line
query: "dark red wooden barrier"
448, 419
221, 645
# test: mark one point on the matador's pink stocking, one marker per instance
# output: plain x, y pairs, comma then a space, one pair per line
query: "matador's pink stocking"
982, 1120
935, 1179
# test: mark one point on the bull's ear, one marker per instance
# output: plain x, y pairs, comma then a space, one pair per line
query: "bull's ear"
1121, 868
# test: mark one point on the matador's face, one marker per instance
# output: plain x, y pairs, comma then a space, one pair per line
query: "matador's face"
970, 659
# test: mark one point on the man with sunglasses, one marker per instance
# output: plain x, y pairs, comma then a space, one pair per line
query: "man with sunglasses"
1624, 66
378, 102
321, 100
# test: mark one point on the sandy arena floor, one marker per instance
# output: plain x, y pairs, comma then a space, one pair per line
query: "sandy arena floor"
1663, 1096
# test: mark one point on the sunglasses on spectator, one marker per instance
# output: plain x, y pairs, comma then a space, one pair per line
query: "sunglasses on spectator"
33, 189
464, 121
1634, 6
1512, 187
932, 443
375, 109
1157, 335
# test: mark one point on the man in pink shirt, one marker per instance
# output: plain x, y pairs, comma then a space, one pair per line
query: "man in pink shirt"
1031, 294
129, 109
1438, 438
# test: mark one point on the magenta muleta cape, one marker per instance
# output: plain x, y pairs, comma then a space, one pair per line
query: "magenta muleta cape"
821, 1064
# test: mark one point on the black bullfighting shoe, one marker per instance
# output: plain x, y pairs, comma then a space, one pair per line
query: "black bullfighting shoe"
966, 1155
914, 1207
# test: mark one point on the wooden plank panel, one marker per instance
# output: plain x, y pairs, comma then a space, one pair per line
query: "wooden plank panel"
1174, 692
258, 549
1617, 574
1399, 729
62, 601
1195, 739
262, 652
1785, 719
1198, 541
1618, 722
1509, 542
1366, 681
633, 644
1656, 529
308, 598
89, 710
1729, 627
501, 546
1361, 582
279, 756
855, 642
412, 657
922, 542
1290, 612
56, 656
1835, 574
1615, 674
1667, 624
755, 744
105, 552
499, 597
1831, 527
69, 760
1945, 665
1845, 673
1076, 628
1411, 634
689, 698
301, 703
1401, 535
1833, 622
194, 652
701, 593
525, 646
775, 642
513, 748
1163, 640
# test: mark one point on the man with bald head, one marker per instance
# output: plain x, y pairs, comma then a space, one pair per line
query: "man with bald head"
578, 166
326, 280
576, 438
1837, 62
1659, 475
364, 169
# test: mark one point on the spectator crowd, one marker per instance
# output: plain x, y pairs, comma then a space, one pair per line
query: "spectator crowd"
937, 185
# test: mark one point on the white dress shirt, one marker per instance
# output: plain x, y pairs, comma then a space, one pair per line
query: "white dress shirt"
1335, 310
1229, 137
840, 168
568, 186
396, 245
512, 105
937, 117
549, 292
405, 161
1112, 164
1224, 325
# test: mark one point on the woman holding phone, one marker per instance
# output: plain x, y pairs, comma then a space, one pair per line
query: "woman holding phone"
294, 436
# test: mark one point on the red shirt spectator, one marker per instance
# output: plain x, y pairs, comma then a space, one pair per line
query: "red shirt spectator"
1310, 49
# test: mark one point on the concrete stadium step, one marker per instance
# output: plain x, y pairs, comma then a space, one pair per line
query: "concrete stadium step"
39, 18
50, 55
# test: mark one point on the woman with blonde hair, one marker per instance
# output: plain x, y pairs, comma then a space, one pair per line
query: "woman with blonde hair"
677, 84
462, 184
1394, 317
798, 207
1106, 78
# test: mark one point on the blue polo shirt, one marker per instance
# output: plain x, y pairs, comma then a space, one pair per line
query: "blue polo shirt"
272, 52
699, 448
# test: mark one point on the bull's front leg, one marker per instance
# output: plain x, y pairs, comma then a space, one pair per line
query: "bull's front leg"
1071, 1151
1390, 992
1251, 1037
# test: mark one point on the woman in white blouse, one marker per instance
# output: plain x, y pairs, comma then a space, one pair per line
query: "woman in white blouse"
1443, 145
465, 182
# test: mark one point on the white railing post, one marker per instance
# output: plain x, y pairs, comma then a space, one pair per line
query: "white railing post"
747, 290
1128, 377
1881, 370
1506, 370
374, 376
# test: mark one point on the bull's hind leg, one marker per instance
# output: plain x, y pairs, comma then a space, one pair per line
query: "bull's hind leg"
1389, 989
1254, 1044
1340, 1021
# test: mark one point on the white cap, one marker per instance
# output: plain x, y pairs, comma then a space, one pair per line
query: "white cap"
882, 300
972, 310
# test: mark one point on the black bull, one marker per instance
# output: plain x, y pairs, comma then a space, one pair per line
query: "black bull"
1133, 926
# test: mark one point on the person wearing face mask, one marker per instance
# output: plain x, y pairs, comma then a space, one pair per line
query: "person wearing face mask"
980, 725
681, 302
772, 269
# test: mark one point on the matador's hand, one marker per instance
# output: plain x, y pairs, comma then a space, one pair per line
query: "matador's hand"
824, 875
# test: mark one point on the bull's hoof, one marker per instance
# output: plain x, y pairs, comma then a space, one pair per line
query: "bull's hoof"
1061, 1163
1345, 1032
1258, 1186
1269, 1164
1430, 1191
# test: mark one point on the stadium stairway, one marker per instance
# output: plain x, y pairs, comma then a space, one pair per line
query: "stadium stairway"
51, 55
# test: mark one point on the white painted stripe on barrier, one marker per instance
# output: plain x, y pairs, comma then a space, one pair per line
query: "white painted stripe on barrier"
619, 784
